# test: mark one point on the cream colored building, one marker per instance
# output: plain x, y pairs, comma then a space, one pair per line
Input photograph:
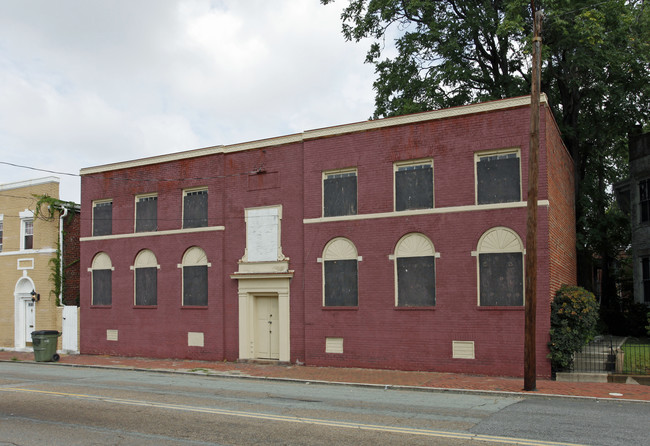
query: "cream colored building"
26, 246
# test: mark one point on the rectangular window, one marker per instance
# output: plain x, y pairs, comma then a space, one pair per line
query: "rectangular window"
644, 200
195, 208
195, 285
339, 193
416, 281
501, 279
146, 213
414, 185
498, 178
102, 218
146, 286
645, 270
102, 286
28, 234
341, 283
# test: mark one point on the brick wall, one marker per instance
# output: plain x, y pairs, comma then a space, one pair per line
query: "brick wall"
561, 221
71, 258
375, 333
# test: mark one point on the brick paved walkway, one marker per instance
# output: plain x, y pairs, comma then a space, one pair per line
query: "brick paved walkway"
356, 376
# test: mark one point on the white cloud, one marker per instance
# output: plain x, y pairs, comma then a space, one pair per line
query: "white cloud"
94, 82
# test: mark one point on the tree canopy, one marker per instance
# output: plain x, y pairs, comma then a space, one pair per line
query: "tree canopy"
430, 54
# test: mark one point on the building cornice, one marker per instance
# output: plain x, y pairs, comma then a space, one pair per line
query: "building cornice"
463, 110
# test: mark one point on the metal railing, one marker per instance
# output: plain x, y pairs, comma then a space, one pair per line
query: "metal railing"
613, 354
636, 358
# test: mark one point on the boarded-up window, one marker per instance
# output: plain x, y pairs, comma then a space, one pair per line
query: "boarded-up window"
103, 218
498, 178
146, 214
195, 209
340, 194
644, 200
341, 283
414, 187
146, 286
195, 285
102, 286
263, 234
501, 279
416, 281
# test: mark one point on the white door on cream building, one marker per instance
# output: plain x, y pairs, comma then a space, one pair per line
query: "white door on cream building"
264, 278
25, 314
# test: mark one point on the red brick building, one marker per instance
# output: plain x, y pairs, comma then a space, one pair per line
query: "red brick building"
395, 243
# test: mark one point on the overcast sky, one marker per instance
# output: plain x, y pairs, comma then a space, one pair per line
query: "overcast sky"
90, 82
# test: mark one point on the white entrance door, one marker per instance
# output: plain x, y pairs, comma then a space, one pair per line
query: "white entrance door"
29, 321
267, 329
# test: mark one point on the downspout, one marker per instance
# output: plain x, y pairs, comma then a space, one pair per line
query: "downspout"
63, 214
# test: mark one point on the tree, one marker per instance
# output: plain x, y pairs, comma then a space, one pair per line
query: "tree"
595, 71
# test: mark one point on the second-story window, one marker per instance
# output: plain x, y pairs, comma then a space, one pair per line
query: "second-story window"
146, 213
28, 234
498, 178
414, 185
102, 217
644, 200
195, 208
340, 193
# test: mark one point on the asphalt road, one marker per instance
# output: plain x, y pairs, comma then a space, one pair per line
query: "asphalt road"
57, 405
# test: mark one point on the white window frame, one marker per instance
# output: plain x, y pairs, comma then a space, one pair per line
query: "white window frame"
26, 216
98, 202
499, 240
194, 256
345, 171
189, 191
339, 248
144, 259
413, 244
400, 165
499, 152
135, 213
101, 261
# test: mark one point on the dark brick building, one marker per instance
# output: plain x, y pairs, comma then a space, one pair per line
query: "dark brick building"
395, 243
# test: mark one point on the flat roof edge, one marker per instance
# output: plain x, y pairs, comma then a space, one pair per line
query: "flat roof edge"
462, 110
28, 183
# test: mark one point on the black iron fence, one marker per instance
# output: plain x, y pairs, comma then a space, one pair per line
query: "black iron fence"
636, 357
614, 355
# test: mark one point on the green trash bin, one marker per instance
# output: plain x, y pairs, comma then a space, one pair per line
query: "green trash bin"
44, 342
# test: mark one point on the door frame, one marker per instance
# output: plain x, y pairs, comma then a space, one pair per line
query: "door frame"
22, 295
263, 285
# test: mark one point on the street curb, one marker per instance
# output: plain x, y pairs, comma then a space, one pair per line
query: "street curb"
218, 374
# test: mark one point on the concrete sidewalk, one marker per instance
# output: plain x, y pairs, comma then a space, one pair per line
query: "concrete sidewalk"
424, 380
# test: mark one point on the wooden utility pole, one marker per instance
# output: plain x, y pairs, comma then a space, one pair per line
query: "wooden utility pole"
530, 362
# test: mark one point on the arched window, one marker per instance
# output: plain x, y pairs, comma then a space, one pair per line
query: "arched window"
415, 271
500, 268
146, 278
102, 279
195, 277
340, 281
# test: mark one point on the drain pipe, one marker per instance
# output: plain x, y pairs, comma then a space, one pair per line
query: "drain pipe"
61, 217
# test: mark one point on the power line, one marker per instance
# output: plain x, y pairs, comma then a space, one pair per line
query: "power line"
40, 170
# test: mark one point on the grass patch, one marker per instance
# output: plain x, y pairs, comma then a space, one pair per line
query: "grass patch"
637, 356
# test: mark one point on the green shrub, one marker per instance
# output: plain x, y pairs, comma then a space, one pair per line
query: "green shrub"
574, 316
